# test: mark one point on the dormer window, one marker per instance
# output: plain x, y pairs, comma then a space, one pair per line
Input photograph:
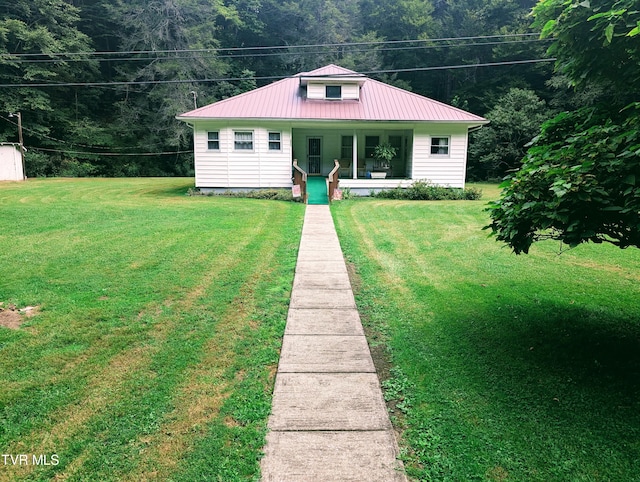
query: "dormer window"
333, 92
331, 88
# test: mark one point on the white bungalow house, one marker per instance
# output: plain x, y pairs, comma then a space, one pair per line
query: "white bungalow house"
249, 141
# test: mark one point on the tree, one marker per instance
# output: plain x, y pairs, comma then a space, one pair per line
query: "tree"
581, 178
144, 114
32, 34
500, 147
160, 46
595, 42
438, 19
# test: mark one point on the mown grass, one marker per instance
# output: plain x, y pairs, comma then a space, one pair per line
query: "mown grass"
505, 368
160, 318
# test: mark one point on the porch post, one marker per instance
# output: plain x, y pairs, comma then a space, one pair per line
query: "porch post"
354, 161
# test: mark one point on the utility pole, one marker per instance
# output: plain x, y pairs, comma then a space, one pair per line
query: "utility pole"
195, 99
21, 141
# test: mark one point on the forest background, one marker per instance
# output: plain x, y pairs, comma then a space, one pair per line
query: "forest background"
98, 83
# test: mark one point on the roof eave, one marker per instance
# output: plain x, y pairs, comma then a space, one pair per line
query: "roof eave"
471, 123
334, 79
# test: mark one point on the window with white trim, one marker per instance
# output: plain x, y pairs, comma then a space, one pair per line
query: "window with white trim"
396, 143
213, 140
440, 146
333, 92
370, 143
275, 141
243, 140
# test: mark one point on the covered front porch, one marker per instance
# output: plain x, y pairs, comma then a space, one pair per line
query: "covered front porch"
319, 189
316, 149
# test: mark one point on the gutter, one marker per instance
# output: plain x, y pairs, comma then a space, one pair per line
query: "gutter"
476, 128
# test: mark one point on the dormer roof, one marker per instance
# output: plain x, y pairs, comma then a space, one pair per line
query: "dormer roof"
331, 74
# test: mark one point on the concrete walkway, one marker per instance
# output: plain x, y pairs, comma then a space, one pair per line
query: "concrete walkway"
329, 421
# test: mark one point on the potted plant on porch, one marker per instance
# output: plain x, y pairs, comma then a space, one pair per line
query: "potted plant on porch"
382, 155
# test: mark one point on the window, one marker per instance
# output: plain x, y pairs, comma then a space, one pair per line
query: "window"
370, 143
396, 143
346, 148
213, 141
440, 146
243, 140
333, 92
275, 143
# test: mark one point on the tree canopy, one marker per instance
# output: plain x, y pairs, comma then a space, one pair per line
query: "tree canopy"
99, 82
500, 146
580, 180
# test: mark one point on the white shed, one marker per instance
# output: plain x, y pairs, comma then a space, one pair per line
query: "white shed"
11, 162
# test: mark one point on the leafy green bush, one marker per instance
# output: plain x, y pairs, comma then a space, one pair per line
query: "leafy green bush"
347, 194
427, 191
37, 164
75, 168
273, 194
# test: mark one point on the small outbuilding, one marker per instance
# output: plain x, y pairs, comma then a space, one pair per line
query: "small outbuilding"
251, 140
11, 168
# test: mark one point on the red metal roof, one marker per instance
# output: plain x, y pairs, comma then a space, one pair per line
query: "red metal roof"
285, 99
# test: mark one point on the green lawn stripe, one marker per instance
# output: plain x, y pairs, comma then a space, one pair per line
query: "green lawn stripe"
509, 368
182, 230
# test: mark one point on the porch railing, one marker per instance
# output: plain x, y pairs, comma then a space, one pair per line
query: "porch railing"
300, 179
333, 180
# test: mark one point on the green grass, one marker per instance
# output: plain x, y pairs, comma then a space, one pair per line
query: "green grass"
160, 318
504, 367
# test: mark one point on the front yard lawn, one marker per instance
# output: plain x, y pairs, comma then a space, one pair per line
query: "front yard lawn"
156, 327
502, 367
155, 324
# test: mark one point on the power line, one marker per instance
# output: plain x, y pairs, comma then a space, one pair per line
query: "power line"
273, 54
41, 135
112, 154
236, 79
275, 47
140, 82
465, 66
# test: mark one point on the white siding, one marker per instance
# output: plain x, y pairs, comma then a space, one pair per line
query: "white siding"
263, 168
316, 90
350, 91
449, 170
10, 163
229, 168
410, 156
